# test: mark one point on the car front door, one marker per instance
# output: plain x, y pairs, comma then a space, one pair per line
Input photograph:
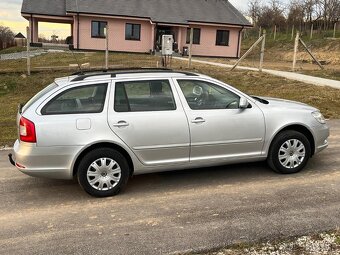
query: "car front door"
219, 129
150, 119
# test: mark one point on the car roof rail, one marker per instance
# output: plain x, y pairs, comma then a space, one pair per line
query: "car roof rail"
114, 72
84, 72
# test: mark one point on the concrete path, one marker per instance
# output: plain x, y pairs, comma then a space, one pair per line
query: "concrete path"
169, 213
288, 75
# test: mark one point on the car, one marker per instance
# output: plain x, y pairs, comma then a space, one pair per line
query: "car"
102, 127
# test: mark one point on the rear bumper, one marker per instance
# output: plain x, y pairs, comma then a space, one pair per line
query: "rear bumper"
47, 162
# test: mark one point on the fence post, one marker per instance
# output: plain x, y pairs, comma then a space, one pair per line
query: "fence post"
28, 51
107, 47
311, 31
334, 30
260, 31
292, 33
274, 32
190, 46
246, 54
296, 45
262, 49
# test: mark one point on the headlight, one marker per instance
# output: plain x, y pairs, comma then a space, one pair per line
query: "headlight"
319, 117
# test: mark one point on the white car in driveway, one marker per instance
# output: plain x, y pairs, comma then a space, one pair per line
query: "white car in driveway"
103, 127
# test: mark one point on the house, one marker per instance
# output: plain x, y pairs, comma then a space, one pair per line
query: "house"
20, 40
138, 25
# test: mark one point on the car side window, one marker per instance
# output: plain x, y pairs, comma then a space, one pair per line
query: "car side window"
202, 95
84, 99
139, 96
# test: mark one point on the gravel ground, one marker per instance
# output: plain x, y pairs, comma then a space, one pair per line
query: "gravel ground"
325, 243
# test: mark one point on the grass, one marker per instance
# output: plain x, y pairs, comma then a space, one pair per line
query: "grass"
16, 88
12, 50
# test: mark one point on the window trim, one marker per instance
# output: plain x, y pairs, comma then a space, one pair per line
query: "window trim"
50, 101
97, 36
222, 30
128, 103
140, 31
193, 40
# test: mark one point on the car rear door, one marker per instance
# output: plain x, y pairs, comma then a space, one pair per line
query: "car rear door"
220, 130
148, 116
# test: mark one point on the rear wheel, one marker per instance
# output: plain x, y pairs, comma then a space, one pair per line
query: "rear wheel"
289, 152
103, 172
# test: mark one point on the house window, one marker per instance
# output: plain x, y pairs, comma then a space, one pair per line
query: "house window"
132, 31
222, 37
197, 36
98, 29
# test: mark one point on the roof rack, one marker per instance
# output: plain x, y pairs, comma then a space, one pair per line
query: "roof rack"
83, 72
113, 72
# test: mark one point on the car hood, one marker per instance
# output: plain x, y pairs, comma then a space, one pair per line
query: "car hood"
277, 102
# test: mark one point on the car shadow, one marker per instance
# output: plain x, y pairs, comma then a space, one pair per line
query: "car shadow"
59, 191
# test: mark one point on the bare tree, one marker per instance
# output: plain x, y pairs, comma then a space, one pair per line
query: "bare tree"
254, 10
6, 37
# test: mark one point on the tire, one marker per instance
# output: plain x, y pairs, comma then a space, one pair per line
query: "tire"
103, 172
283, 157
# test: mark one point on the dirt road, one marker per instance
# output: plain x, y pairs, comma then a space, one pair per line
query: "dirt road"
170, 212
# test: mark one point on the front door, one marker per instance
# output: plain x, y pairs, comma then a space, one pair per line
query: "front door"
219, 129
150, 119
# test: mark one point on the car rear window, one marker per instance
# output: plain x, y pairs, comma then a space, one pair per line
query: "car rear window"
39, 95
83, 99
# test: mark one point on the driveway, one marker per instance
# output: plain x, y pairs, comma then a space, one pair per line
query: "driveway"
171, 212
288, 75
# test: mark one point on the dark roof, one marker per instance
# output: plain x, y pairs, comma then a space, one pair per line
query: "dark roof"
20, 36
166, 11
47, 7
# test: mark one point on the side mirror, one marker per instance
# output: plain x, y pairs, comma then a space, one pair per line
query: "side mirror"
243, 103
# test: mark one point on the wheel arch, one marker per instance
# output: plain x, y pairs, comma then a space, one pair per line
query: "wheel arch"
103, 145
299, 128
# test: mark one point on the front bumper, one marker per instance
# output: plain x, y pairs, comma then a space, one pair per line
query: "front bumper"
321, 134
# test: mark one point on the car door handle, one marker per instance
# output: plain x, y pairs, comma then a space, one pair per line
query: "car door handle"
198, 120
121, 124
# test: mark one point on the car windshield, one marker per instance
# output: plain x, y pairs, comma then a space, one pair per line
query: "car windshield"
39, 95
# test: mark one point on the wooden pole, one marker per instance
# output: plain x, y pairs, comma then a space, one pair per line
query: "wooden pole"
28, 51
190, 46
311, 31
260, 31
262, 49
296, 46
247, 53
310, 53
106, 47
274, 32
334, 30
292, 33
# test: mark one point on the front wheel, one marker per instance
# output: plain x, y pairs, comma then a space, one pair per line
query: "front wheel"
103, 172
289, 152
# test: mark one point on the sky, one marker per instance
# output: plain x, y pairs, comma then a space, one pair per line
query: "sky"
10, 16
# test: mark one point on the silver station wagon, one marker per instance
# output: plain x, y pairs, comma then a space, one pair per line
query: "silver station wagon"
103, 127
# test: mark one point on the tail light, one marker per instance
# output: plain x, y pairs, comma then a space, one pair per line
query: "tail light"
27, 131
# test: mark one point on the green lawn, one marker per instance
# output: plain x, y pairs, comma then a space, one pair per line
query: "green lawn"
16, 88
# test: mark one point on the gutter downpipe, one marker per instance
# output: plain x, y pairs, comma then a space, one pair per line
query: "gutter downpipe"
78, 30
238, 43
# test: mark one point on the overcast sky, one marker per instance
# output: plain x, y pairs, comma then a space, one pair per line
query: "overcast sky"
10, 16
